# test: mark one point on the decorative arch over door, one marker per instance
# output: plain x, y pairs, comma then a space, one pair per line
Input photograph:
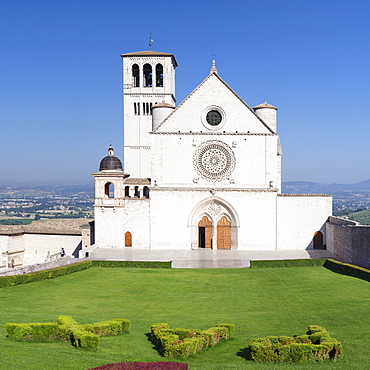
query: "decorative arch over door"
223, 233
221, 215
205, 233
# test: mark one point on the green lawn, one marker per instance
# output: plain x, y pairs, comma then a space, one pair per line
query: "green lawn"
260, 302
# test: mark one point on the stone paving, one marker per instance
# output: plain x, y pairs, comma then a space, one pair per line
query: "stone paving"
203, 258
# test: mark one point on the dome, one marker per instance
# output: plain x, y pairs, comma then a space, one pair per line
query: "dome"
264, 105
110, 162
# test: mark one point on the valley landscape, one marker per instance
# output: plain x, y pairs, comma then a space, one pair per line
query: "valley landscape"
21, 204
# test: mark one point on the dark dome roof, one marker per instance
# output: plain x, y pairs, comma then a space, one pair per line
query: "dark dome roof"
110, 162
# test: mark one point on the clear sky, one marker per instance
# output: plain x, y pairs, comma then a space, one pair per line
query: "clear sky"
61, 77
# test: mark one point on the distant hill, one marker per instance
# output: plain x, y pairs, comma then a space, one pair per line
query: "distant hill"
296, 187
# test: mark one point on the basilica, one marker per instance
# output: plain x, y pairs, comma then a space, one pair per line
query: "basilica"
204, 173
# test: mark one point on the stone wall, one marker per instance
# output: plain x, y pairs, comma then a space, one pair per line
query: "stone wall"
37, 267
348, 241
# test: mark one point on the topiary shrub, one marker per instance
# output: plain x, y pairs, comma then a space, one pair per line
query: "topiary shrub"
84, 339
67, 329
108, 328
181, 343
316, 345
33, 332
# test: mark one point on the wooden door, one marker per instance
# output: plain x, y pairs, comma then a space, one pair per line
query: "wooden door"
205, 233
128, 239
318, 240
223, 233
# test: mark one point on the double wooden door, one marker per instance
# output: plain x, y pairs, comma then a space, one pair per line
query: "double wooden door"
205, 232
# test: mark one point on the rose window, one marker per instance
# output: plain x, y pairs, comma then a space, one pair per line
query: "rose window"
214, 160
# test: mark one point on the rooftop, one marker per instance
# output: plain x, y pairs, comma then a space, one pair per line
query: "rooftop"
67, 226
150, 53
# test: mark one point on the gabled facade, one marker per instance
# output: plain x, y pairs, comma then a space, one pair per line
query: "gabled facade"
204, 174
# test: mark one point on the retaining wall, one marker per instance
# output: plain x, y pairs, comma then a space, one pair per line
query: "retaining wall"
348, 241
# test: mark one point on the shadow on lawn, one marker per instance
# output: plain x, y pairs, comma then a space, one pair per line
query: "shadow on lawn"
245, 353
156, 346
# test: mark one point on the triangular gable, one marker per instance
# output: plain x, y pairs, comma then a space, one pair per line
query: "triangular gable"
214, 91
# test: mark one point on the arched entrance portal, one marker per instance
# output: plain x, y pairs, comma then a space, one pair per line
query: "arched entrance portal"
213, 223
318, 240
223, 233
205, 233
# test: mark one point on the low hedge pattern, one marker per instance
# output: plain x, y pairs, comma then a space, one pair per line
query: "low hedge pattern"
67, 329
144, 366
181, 343
347, 269
7, 281
307, 262
316, 345
136, 264
48, 331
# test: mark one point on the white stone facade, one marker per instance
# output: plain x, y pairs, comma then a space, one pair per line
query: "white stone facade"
42, 241
28, 249
206, 174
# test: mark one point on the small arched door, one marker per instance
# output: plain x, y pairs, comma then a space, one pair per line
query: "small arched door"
223, 233
318, 240
205, 233
128, 239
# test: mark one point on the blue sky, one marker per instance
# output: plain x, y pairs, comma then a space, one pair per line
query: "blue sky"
60, 81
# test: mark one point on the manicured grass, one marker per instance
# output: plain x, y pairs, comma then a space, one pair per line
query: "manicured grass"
259, 302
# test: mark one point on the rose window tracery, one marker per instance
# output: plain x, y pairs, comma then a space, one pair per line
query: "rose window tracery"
214, 160
214, 209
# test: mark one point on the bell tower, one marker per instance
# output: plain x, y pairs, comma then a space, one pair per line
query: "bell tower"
148, 78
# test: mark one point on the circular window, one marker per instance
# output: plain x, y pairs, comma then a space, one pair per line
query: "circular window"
213, 117
214, 160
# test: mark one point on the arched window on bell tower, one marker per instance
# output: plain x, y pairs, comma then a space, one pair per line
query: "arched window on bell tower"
148, 75
159, 75
135, 75
109, 190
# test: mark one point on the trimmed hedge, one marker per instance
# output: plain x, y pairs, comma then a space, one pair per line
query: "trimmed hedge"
65, 324
67, 329
289, 263
108, 328
136, 264
7, 281
48, 331
347, 269
84, 339
316, 345
181, 343
144, 366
